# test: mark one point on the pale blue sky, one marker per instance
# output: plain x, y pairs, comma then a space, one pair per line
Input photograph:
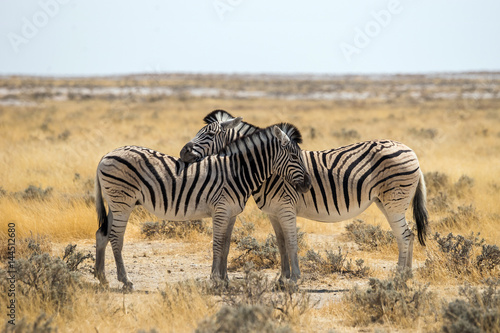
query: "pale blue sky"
87, 37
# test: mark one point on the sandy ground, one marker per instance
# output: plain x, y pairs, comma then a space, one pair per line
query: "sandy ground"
151, 264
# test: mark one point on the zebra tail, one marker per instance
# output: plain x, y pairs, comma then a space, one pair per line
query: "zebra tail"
420, 214
101, 211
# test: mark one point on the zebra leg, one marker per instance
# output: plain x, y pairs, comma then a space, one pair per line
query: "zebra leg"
101, 243
225, 251
288, 223
402, 232
280, 239
222, 228
116, 234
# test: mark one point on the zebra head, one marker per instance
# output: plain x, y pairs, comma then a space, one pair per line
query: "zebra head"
289, 163
219, 131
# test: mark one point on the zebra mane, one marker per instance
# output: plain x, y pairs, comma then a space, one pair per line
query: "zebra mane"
290, 130
221, 115
217, 115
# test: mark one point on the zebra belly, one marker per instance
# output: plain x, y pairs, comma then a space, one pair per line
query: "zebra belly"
180, 214
321, 215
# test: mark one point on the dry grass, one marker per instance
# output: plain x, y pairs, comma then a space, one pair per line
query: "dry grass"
56, 145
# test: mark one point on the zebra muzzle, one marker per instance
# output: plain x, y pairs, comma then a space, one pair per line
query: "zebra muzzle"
187, 153
305, 185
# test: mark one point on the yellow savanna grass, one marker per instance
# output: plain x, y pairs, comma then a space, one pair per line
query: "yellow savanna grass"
177, 307
58, 144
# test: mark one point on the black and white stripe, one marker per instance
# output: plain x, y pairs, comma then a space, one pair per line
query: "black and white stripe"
345, 181
216, 187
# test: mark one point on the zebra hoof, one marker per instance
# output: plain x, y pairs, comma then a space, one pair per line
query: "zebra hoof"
219, 284
286, 285
128, 287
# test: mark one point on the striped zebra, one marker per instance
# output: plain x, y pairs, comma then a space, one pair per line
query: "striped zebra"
345, 182
217, 187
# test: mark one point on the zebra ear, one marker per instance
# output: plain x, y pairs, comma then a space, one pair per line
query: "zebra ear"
280, 135
231, 123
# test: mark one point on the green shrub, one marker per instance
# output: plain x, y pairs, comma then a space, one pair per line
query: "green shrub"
397, 301
262, 254
48, 278
246, 229
28, 246
463, 186
172, 229
333, 263
479, 312
424, 133
459, 256
439, 203
51, 281
35, 193
441, 193
435, 182
252, 304
489, 259
41, 324
242, 318
74, 259
464, 216
347, 134
367, 236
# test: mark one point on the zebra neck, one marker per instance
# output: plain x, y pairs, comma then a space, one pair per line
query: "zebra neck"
242, 130
252, 158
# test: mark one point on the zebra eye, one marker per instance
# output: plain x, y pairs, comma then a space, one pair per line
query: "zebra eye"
294, 157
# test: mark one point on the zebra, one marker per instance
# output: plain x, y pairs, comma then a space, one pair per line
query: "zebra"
217, 187
345, 182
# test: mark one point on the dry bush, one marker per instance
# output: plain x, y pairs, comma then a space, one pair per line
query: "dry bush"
36, 145
398, 301
182, 305
463, 186
45, 280
424, 133
173, 229
252, 304
464, 258
313, 262
33, 192
347, 135
262, 254
442, 194
478, 312
46, 284
28, 246
246, 229
74, 259
464, 217
242, 318
367, 236
435, 182
42, 324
